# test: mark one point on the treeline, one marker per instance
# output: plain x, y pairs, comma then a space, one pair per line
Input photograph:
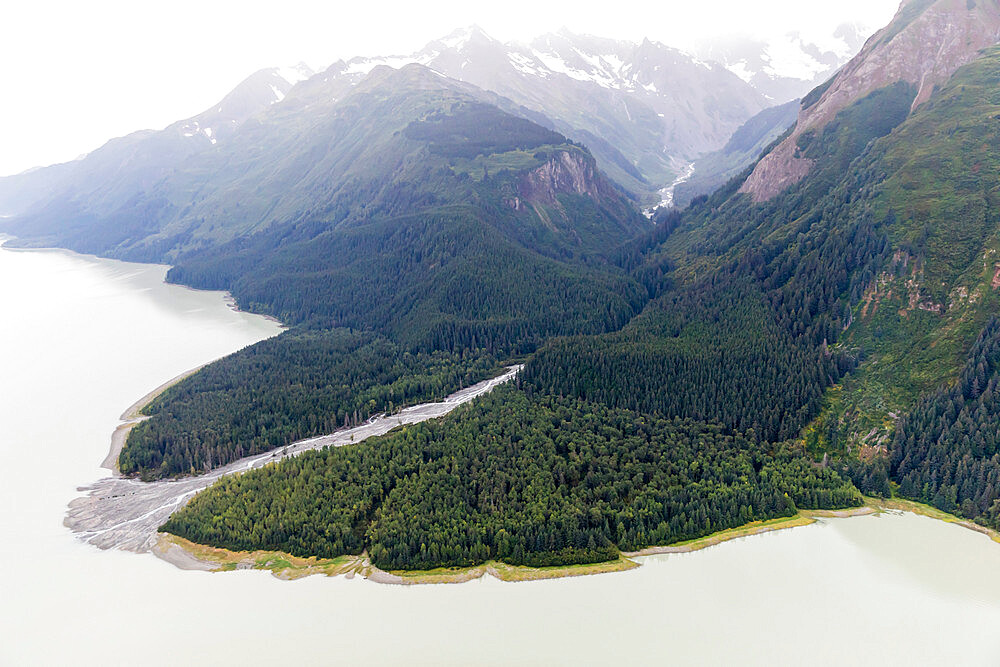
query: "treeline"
750, 346
947, 451
297, 385
475, 128
522, 477
443, 280
749, 300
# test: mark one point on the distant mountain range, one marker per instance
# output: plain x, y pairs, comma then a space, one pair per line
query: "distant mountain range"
786, 67
644, 110
126, 166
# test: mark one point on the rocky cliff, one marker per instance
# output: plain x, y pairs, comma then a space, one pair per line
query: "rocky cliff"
926, 42
566, 172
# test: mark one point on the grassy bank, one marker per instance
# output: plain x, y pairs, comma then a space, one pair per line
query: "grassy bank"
286, 566
934, 513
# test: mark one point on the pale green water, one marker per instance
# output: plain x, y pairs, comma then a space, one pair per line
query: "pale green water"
81, 339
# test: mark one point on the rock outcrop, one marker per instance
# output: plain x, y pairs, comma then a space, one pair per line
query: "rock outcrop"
566, 172
926, 42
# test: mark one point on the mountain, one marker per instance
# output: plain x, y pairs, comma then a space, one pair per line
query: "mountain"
643, 109
822, 325
898, 53
843, 292
127, 166
589, 454
710, 172
408, 226
786, 67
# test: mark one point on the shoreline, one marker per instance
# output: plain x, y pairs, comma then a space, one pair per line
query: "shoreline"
228, 298
189, 555
125, 513
931, 512
133, 415
801, 518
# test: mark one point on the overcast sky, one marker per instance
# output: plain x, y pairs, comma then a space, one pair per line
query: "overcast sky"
74, 74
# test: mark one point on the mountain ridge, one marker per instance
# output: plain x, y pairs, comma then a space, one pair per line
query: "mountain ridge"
957, 31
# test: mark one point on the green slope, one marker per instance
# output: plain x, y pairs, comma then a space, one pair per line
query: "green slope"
772, 336
528, 480
413, 211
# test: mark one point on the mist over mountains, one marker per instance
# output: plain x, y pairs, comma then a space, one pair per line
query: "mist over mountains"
644, 109
820, 322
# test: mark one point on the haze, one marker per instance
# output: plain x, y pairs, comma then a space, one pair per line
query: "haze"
76, 74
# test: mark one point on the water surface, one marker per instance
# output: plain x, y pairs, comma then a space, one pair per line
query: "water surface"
81, 339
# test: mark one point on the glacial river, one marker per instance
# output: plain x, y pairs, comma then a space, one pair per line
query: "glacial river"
81, 339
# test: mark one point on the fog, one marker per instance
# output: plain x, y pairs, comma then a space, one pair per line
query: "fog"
77, 74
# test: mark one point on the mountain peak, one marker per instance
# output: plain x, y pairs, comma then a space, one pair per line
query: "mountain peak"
459, 39
926, 42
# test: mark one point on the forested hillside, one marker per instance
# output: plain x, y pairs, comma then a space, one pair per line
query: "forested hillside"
817, 314
947, 451
905, 206
525, 478
746, 329
446, 231
445, 279
298, 385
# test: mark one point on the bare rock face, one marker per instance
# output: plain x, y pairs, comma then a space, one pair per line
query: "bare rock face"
567, 172
926, 42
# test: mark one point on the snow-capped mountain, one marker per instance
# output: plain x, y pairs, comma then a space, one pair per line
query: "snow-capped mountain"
643, 109
788, 66
256, 92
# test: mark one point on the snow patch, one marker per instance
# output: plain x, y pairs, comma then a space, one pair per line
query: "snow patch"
295, 74
278, 95
741, 70
558, 65
525, 65
614, 61
786, 58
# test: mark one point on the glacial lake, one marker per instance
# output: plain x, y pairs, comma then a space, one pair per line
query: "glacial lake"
82, 339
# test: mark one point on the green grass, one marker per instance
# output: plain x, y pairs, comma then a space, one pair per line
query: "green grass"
494, 164
941, 197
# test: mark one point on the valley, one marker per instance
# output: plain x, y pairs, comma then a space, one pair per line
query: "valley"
667, 193
555, 308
